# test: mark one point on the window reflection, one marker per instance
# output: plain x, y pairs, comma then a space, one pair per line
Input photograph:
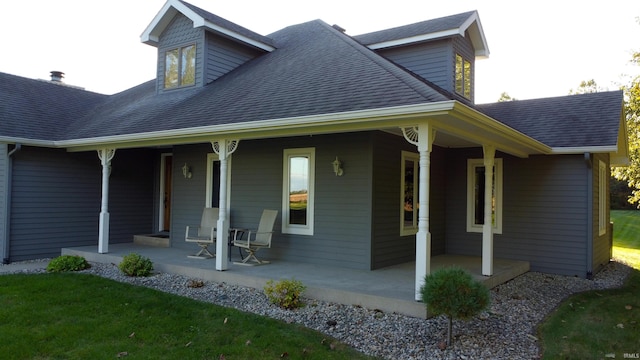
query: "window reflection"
298, 189
409, 198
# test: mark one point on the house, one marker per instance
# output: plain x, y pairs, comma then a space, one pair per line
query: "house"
376, 137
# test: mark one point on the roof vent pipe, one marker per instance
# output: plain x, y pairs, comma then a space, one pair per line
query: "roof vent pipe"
57, 76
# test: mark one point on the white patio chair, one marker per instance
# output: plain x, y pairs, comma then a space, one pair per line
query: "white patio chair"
256, 239
205, 234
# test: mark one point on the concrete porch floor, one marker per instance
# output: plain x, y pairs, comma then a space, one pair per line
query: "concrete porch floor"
389, 289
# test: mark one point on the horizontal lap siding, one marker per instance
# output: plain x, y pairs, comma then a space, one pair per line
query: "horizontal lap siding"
342, 228
431, 61
544, 212
389, 248
55, 202
224, 56
56, 199
131, 194
189, 195
4, 188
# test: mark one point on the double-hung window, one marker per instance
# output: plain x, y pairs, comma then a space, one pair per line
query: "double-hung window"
298, 191
180, 67
476, 196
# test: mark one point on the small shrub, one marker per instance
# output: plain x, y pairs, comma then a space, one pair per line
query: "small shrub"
285, 293
67, 263
136, 265
454, 293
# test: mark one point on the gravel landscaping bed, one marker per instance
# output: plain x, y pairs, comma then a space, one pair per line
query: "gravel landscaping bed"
506, 331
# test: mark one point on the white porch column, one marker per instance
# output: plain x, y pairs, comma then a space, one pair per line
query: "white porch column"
224, 148
105, 156
487, 228
423, 137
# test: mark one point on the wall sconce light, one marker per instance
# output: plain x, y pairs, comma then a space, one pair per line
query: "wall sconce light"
337, 167
186, 171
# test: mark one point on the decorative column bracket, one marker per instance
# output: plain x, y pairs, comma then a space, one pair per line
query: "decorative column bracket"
105, 155
224, 148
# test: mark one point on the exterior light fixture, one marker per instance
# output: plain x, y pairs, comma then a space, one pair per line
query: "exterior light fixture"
186, 171
337, 167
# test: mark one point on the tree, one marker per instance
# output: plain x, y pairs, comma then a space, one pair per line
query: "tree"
631, 173
587, 87
506, 97
453, 292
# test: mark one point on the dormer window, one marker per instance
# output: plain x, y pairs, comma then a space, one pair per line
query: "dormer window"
180, 67
463, 76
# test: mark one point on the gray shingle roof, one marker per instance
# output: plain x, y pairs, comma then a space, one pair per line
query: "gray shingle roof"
420, 28
38, 109
565, 121
315, 70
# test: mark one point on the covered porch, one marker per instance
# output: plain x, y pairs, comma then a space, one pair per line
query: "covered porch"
389, 289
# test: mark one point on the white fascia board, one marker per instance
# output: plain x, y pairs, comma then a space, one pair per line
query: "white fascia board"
417, 38
306, 121
584, 149
27, 141
476, 35
150, 35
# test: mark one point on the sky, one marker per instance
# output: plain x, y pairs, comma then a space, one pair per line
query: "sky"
537, 48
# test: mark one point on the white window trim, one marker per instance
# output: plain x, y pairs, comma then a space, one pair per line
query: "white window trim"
296, 228
406, 155
471, 165
211, 157
602, 198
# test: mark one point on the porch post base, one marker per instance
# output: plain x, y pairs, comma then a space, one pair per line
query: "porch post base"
423, 261
103, 237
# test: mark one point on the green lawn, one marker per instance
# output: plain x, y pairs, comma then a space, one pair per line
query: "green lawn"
601, 324
80, 316
626, 236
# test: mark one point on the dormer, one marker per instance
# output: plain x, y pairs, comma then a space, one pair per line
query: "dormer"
196, 47
442, 51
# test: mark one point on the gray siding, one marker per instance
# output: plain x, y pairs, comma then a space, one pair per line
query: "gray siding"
188, 197
435, 61
544, 211
602, 244
181, 33
56, 199
432, 61
388, 247
342, 228
4, 187
223, 55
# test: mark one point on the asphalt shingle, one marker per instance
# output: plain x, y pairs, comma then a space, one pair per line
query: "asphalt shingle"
565, 121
